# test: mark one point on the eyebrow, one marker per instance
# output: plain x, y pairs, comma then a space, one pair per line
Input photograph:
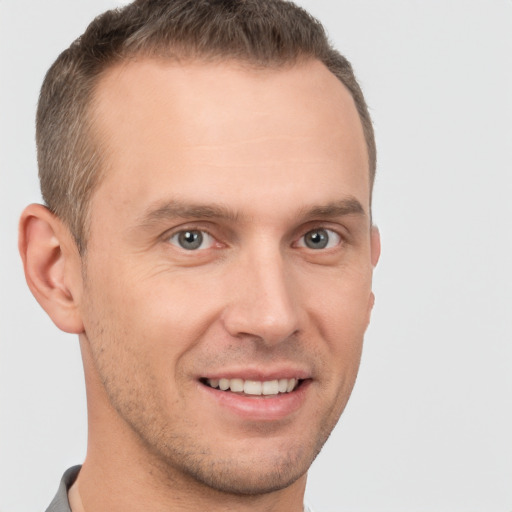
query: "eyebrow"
341, 208
178, 209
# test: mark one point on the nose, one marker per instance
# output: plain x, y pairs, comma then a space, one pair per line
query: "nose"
263, 302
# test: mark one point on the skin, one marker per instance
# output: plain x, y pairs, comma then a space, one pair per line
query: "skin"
254, 160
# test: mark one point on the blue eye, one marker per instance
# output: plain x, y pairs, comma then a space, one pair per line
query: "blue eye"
192, 240
320, 239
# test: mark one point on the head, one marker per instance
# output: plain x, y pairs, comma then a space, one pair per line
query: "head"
208, 169
259, 34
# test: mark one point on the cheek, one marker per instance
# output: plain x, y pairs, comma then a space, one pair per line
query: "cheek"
132, 350
341, 306
154, 320
341, 314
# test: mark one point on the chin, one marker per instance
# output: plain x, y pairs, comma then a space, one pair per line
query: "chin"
254, 467
259, 476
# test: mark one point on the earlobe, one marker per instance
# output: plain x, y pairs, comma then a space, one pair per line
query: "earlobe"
52, 266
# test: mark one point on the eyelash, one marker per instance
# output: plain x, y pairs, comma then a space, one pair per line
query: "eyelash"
331, 234
183, 232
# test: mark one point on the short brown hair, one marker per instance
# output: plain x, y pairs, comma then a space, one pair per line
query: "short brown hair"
263, 33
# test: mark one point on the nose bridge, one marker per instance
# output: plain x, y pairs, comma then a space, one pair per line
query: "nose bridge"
263, 304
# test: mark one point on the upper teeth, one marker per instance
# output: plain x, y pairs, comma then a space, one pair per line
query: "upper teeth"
255, 387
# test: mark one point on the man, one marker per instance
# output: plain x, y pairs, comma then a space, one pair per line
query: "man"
207, 169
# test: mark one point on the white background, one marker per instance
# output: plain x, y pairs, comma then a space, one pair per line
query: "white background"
429, 425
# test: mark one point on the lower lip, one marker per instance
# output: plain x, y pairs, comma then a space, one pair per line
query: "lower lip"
260, 407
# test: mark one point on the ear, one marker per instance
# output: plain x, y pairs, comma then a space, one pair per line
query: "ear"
52, 266
374, 258
375, 246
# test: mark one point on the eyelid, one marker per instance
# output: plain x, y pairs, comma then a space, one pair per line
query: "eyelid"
200, 227
318, 227
208, 240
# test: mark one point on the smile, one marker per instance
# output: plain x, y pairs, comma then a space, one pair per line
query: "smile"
254, 387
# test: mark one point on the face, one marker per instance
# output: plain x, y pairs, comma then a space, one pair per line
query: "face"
227, 282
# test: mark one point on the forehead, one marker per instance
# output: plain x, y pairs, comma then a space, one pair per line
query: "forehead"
223, 129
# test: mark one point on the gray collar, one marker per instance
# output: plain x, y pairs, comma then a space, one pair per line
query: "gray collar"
60, 503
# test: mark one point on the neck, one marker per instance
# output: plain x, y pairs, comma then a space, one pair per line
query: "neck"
99, 491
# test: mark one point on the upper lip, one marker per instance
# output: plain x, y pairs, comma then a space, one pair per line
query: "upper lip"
258, 374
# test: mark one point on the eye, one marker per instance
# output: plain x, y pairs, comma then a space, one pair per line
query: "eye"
320, 238
192, 240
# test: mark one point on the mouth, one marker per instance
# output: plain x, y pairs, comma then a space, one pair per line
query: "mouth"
253, 388
274, 398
